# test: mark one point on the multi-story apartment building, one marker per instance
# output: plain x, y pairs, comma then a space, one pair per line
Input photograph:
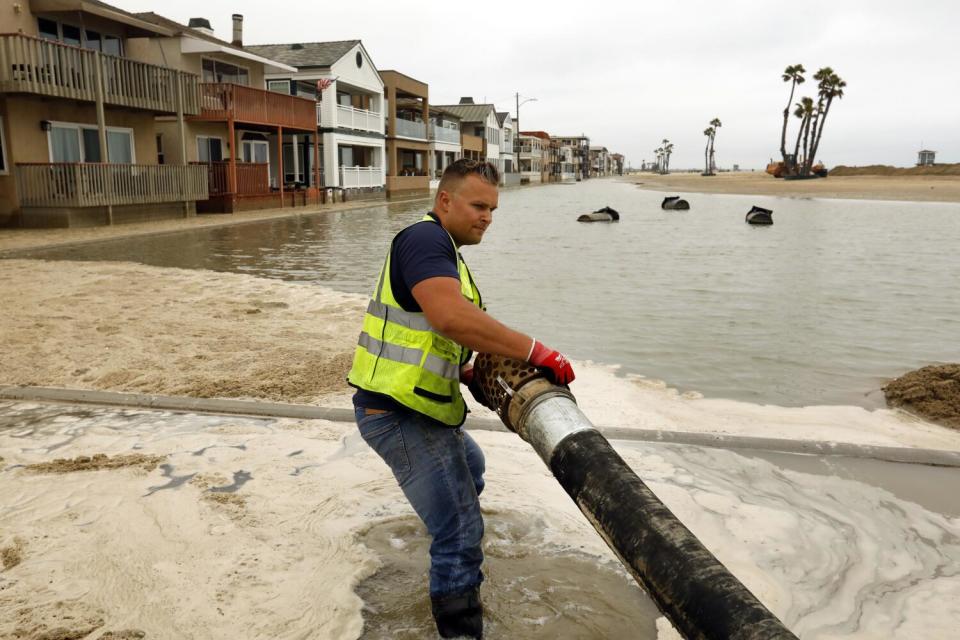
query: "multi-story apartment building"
599, 161
480, 121
445, 142
580, 150
508, 156
259, 147
78, 142
349, 109
616, 163
408, 148
534, 156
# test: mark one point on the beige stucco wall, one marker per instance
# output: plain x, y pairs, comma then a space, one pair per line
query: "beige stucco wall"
8, 190
12, 21
171, 138
28, 143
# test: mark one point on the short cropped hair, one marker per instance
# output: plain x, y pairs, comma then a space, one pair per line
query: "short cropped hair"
459, 170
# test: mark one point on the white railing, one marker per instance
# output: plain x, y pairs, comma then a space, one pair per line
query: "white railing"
91, 185
443, 134
410, 129
361, 177
352, 118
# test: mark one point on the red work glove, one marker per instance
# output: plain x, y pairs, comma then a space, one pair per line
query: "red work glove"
553, 363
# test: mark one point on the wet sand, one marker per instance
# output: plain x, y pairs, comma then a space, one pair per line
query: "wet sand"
913, 188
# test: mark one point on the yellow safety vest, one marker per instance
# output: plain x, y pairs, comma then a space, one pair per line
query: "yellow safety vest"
400, 355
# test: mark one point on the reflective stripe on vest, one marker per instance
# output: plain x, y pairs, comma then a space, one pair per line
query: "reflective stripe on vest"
400, 355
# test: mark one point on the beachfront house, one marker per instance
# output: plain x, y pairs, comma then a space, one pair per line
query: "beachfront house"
534, 156
508, 156
479, 121
408, 117
616, 164
78, 143
349, 110
580, 150
599, 161
257, 147
445, 143
926, 158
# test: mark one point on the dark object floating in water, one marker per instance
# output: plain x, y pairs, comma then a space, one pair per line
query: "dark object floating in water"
674, 202
600, 215
759, 215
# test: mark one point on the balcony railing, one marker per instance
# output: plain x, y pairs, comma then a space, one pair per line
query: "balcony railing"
353, 118
253, 178
43, 67
94, 185
361, 177
223, 101
410, 129
443, 134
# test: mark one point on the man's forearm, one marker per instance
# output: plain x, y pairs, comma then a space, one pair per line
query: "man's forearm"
467, 325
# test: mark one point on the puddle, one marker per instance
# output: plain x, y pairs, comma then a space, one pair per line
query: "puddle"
533, 589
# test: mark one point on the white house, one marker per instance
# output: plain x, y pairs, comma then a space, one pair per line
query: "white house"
350, 107
508, 158
480, 120
445, 144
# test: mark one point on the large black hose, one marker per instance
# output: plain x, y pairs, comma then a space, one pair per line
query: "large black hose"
689, 585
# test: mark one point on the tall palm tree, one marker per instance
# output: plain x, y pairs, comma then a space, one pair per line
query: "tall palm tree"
667, 150
716, 124
803, 112
659, 152
831, 86
709, 131
821, 76
794, 75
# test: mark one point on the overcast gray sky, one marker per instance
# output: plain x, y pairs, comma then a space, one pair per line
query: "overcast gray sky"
629, 74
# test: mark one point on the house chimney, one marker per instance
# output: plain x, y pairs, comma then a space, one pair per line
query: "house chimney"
201, 24
466, 100
237, 30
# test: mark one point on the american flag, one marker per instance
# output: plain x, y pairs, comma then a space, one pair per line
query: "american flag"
323, 83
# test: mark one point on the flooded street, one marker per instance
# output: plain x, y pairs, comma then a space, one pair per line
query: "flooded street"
821, 308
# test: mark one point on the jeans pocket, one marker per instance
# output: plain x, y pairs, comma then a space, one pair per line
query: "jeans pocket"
385, 436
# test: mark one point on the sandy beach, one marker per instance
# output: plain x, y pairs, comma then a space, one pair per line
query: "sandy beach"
914, 188
225, 527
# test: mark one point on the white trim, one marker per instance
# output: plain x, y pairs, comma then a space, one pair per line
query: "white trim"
253, 144
284, 81
223, 156
5, 169
92, 127
195, 45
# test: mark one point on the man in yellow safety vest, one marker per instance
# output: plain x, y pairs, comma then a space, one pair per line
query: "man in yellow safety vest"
422, 325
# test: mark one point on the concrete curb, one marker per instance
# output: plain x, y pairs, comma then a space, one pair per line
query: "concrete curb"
907, 455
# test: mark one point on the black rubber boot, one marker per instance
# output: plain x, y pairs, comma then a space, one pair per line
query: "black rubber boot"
459, 615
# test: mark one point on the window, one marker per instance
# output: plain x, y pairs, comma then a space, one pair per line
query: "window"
161, 158
48, 29
217, 71
111, 46
70, 142
280, 86
3, 151
92, 41
209, 149
255, 151
70, 34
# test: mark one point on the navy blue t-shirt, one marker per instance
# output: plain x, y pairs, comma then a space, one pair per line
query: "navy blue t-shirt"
421, 251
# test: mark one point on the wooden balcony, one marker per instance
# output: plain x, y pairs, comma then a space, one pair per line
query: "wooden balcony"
95, 185
253, 178
221, 102
35, 66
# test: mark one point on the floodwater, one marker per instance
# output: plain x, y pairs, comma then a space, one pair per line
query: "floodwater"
823, 307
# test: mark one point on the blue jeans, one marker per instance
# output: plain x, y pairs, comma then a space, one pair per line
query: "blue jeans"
440, 470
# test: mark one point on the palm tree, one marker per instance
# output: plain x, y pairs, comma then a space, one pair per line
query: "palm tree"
667, 150
716, 124
794, 75
709, 131
831, 86
803, 112
659, 153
